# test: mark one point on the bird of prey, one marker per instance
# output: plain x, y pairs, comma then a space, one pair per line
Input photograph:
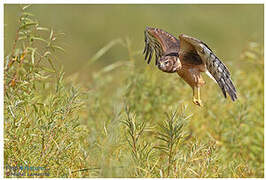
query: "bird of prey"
189, 57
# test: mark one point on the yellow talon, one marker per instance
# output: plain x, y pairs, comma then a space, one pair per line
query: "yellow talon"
196, 97
197, 102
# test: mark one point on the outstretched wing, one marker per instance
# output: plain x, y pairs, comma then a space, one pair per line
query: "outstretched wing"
188, 53
198, 49
159, 42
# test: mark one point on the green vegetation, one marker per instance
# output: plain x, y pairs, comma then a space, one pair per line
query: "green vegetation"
126, 118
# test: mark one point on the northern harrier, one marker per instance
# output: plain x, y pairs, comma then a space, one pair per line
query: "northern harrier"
188, 57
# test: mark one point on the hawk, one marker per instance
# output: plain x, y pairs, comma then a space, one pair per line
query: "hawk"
189, 57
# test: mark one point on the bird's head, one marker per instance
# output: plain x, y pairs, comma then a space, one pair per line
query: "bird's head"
169, 64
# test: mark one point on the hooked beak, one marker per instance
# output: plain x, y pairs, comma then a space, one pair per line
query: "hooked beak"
160, 65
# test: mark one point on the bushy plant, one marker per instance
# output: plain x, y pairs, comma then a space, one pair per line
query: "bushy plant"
41, 112
129, 119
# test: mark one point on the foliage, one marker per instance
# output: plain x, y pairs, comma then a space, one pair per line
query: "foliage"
171, 134
128, 119
41, 112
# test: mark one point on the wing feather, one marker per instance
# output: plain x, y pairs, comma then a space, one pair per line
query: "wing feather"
188, 53
215, 66
160, 43
219, 72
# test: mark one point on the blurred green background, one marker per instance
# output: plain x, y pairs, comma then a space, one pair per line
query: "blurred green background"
234, 32
225, 28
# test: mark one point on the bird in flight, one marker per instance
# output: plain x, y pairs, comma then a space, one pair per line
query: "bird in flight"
189, 57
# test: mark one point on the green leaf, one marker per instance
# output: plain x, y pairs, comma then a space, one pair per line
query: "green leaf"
25, 14
22, 37
39, 39
32, 56
102, 51
27, 25
163, 139
25, 7
51, 34
51, 63
42, 29
58, 47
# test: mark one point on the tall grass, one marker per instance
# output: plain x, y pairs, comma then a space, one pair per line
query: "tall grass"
129, 120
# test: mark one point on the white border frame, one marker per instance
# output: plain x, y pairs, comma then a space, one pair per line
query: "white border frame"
94, 2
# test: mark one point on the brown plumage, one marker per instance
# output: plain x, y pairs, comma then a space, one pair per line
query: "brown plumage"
188, 57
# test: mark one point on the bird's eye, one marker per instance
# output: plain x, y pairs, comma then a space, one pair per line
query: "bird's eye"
166, 62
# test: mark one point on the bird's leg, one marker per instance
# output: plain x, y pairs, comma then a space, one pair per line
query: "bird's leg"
199, 100
196, 96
